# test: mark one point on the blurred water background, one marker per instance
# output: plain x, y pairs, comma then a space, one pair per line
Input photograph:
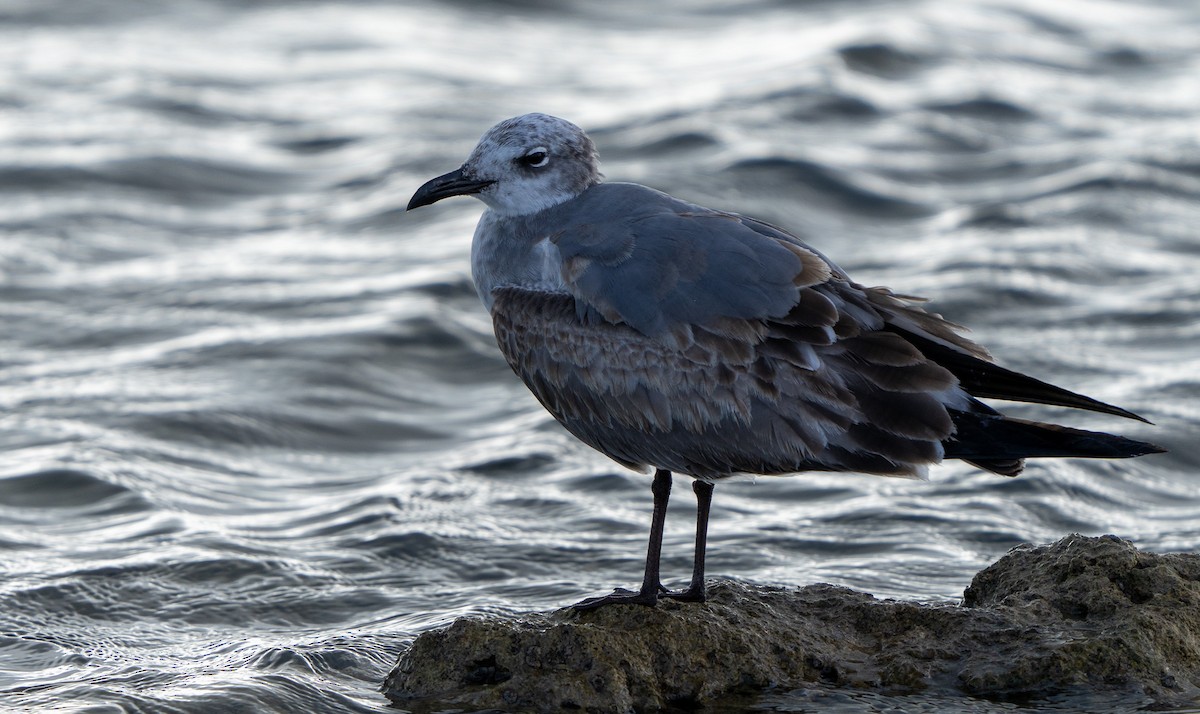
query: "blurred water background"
256, 433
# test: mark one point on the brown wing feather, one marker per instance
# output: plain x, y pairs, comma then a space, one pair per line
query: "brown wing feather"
742, 396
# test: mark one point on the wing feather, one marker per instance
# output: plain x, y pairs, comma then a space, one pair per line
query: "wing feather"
733, 402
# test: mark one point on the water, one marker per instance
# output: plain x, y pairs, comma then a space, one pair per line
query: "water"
256, 434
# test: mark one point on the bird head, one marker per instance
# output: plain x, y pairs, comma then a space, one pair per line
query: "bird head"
521, 166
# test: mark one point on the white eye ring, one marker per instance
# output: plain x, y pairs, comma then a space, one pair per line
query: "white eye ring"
536, 158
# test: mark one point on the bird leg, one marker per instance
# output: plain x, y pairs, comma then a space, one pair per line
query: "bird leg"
695, 589
648, 595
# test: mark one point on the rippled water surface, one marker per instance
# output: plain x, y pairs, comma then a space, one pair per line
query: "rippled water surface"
256, 433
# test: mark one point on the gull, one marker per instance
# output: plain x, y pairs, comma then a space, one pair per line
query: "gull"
694, 341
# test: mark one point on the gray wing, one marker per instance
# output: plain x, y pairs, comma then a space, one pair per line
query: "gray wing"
643, 258
659, 265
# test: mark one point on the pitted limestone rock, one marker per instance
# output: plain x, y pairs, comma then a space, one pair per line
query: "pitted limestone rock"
1082, 612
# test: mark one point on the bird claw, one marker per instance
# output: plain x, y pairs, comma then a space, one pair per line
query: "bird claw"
691, 594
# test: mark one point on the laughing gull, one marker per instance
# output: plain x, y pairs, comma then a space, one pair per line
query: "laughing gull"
696, 341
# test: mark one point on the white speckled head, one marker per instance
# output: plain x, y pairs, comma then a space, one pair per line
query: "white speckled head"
535, 161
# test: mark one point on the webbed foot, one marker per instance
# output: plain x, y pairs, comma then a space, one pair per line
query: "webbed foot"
620, 596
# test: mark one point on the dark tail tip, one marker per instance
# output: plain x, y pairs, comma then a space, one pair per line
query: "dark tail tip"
1112, 446
994, 442
1128, 414
1147, 448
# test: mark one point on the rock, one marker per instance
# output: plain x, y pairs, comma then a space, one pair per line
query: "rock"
1083, 612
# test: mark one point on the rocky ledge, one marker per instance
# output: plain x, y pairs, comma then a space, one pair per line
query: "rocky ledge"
1083, 612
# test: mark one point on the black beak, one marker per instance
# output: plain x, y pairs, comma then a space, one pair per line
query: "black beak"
445, 186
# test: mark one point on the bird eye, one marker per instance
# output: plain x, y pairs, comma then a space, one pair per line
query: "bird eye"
535, 159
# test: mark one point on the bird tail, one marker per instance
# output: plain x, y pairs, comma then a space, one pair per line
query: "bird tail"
1000, 444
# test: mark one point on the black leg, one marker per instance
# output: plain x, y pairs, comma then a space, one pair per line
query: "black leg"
695, 589
648, 595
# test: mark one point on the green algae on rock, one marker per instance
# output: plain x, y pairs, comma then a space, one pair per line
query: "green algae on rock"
1082, 612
